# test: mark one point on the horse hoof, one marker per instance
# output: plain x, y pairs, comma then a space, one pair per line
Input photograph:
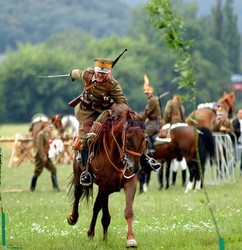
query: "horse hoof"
90, 235
71, 221
131, 243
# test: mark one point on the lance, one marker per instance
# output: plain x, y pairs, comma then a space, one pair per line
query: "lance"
55, 76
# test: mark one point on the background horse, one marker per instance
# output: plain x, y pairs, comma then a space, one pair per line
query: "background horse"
183, 145
204, 116
114, 156
38, 119
70, 125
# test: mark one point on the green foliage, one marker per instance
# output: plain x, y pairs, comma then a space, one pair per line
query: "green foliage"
224, 29
161, 11
24, 94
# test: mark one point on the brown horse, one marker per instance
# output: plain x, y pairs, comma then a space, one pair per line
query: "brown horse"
114, 161
182, 144
203, 117
38, 119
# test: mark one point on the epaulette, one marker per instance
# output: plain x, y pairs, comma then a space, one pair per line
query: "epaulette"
87, 75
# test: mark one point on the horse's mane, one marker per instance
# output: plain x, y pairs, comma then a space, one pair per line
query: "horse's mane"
119, 112
229, 98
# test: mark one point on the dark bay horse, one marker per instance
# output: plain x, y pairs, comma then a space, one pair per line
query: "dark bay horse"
38, 119
182, 144
114, 161
203, 117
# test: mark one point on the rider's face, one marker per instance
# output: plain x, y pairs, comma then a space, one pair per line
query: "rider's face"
240, 114
100, 76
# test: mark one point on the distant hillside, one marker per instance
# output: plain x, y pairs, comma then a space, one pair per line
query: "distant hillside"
34, 21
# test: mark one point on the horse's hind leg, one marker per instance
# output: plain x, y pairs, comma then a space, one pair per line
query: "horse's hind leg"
106, 218
96, 209
78, 192
73, 217
191, 177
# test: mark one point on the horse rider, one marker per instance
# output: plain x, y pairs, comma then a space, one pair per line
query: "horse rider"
42, 158
221, 122
152, 114
100, 92
173, 114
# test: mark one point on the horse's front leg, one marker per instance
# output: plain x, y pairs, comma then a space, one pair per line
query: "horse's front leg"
168, 167
160, 177
96, 209
130, 189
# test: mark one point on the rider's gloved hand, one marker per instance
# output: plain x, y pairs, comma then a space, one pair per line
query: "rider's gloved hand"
75, 74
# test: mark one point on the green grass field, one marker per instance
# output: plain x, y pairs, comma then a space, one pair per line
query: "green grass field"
163, 219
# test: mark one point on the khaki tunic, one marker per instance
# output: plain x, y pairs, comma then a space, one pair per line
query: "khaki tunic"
173, 112
153, 114
99, 99
42, 144
222, 126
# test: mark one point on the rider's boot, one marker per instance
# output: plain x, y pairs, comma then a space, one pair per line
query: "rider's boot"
85, 178
148, 163
184, 176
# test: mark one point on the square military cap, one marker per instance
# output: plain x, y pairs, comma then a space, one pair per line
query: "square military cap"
103, 65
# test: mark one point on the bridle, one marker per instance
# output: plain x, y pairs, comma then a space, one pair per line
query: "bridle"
123, 151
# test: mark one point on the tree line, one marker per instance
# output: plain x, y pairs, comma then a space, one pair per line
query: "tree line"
24, 94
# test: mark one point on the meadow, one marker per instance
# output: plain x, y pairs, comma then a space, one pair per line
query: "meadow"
167, 219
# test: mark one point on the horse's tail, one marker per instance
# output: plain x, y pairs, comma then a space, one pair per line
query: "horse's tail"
206, 144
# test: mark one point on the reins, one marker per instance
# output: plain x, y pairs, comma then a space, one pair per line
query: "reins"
122, 151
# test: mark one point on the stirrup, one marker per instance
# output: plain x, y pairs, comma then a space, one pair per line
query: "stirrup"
155, 165
85, 179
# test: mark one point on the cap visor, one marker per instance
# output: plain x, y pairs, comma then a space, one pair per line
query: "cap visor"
101, 70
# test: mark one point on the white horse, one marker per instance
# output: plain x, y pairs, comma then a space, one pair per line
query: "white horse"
70, 125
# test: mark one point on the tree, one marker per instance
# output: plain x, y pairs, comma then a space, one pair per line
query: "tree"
231, 37
217, 21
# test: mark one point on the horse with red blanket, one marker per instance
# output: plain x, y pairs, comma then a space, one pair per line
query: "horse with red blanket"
114, 160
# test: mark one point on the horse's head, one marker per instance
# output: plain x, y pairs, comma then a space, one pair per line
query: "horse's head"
56, 121
228, 102
133, 140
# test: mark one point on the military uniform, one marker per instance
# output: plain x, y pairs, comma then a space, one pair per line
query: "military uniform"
95, 100
42, 151
42, 159
153, 113
222, 125
100, 92
173, 113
